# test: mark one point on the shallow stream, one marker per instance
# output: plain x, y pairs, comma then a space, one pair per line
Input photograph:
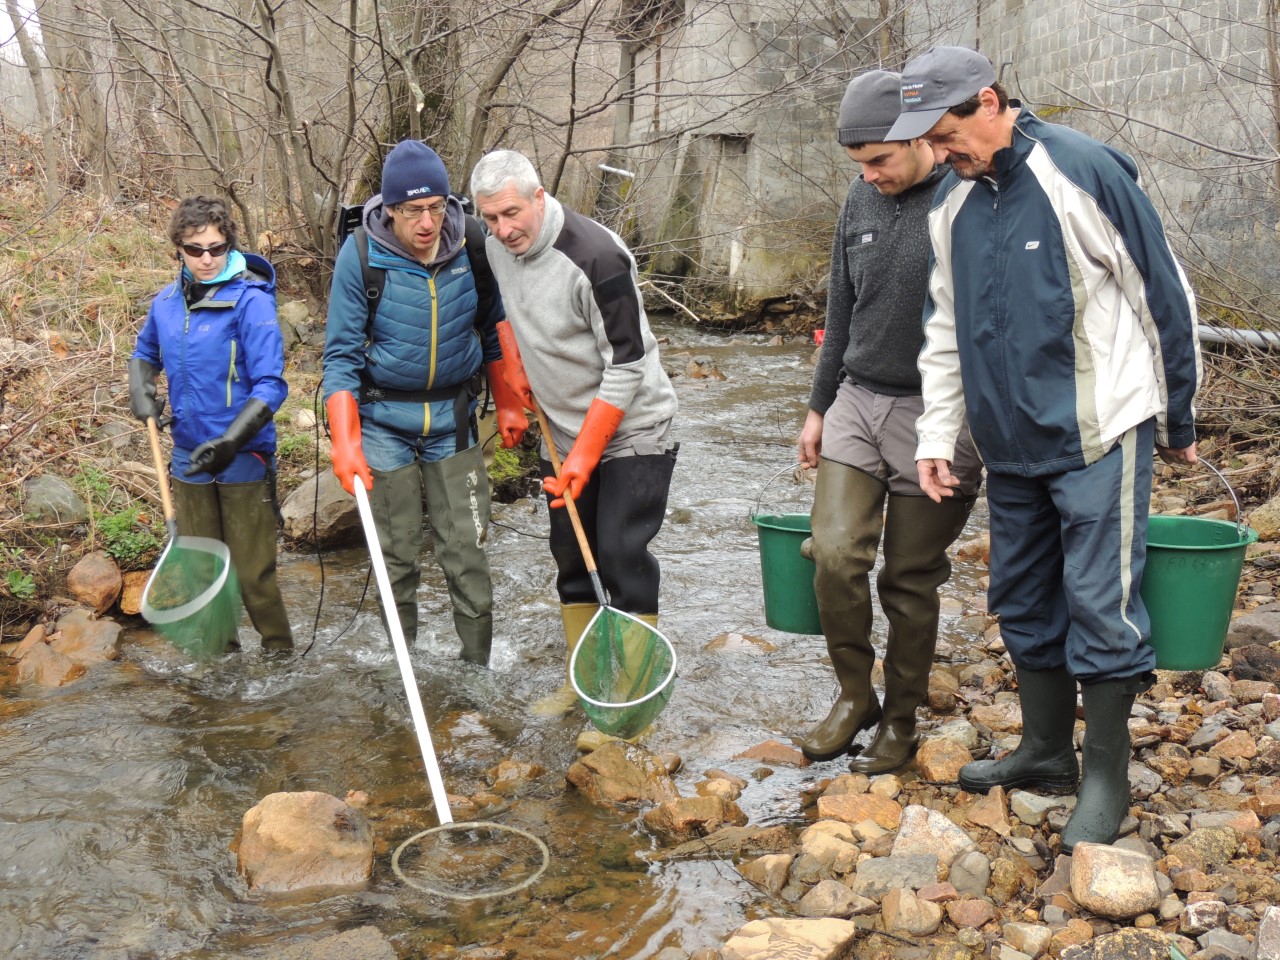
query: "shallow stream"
120, 795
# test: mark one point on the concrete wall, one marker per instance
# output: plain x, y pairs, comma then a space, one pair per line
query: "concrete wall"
1192, 101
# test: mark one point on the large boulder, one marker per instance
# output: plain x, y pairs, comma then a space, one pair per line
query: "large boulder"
48, 500
295, 840
86, 640
95, 581
326, 519
621, 773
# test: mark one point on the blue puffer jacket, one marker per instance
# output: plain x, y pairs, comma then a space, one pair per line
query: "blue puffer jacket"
424, 336
218, 353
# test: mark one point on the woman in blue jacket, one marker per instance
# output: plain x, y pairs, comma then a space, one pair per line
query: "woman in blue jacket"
214, 333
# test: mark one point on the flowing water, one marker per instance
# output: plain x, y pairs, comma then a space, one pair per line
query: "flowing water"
121, 794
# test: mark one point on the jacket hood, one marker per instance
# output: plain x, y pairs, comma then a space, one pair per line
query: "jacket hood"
377, 223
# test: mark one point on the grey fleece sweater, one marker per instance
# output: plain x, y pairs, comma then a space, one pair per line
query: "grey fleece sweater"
875, 299
575, 308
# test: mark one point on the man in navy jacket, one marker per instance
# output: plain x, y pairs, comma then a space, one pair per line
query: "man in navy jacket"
1059, 320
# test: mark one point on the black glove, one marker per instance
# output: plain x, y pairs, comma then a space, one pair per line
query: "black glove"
142, 390
214, 456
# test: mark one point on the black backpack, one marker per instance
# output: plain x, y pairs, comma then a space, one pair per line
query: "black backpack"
351, 220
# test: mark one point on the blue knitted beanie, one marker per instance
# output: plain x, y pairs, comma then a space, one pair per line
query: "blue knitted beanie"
411, 171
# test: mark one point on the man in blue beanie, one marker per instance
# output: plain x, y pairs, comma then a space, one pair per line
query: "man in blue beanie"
860, 434
401, 384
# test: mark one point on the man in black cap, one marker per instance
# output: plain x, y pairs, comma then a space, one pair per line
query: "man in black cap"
401, 386
1059, 321
860, 434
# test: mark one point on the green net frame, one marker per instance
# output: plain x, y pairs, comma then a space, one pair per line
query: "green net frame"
623, 671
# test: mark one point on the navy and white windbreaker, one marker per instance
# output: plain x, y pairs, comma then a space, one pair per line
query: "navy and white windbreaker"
1057, 316
217, 354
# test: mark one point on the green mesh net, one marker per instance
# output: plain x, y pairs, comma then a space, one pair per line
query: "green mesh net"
193, 598
623, 671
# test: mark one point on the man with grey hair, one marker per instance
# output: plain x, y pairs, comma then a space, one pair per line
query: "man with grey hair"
576, 337
860, 434
1059, 320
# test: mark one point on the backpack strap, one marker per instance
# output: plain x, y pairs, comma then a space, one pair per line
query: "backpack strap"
374, 279
481, 272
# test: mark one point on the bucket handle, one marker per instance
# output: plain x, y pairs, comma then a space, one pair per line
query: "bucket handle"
787, 469
1234, 498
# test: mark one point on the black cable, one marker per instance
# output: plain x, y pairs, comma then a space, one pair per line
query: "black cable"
315, 524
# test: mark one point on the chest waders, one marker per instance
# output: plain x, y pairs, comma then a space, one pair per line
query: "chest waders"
243, 516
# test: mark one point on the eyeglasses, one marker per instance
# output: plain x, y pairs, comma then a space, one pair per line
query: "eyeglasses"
416, 210
195, 251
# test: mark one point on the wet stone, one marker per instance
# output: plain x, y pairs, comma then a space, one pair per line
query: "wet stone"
1113, 882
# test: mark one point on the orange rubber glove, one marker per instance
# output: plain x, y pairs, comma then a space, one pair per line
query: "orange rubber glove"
344, 431
512, 423
597, 430
514, 370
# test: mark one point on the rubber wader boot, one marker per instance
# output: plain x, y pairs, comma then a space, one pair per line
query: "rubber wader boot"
198, 514
1045, 757
249, 522
917, 533
848, 514
457, 492
575, 617
396, 504
1103, 800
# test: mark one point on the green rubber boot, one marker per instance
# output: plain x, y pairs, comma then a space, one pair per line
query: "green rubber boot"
457, 491
574, 617
249, 522
847, 516
1045, 757
917, 533
396, 504
1103, 800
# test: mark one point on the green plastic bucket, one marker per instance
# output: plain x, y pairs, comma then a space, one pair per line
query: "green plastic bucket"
789, 600
1189, 587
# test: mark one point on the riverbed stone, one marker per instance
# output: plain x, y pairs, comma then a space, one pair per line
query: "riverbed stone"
831, 898
768, 872
729, 842
970, 874
290, 841
622, 773
990, 811
1268, 941
823, 857
361, 943
1030, 938
903, 911
1113, 882
85, 639
877, 877
95, 581
47, 667
922, 830
683, 818
854, 808
133, 585
1205, 848
775, 753
939, 759
971, 912
796, 939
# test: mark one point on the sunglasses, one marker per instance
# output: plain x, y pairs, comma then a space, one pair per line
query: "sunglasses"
195, 251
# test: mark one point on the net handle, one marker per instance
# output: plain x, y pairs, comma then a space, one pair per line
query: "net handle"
162, 477
392, 619
587, 556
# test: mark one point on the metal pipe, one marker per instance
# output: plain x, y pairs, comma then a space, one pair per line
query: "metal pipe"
1266, 339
